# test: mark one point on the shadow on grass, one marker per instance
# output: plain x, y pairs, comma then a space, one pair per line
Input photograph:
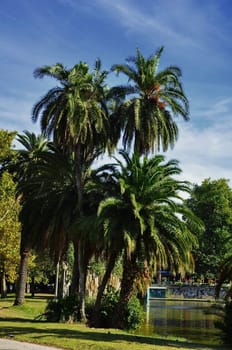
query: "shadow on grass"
40, 331
40, 297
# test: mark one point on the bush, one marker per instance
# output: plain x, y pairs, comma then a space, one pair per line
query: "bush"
63, 309
133, 313
108, 307
66, 309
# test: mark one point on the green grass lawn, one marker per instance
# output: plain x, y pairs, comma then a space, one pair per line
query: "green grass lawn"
18, 322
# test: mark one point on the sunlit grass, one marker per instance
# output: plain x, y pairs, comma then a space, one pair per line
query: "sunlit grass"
18, 322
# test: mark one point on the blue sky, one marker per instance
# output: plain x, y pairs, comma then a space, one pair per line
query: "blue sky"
196, 35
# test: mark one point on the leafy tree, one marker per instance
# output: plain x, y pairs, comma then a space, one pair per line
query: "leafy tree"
9, 231
157, 96
9, 211
41, 269
6, 149
212, 202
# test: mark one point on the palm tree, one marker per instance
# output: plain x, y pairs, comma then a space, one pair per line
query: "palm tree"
75, 114
49, 203
23, 169
148, 212
157, 97
100, 186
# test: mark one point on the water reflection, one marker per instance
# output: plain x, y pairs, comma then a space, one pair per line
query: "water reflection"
186, 319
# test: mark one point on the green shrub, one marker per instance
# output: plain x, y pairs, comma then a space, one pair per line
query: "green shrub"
134, 314
66, 309
63, 309
53, 310
108, 307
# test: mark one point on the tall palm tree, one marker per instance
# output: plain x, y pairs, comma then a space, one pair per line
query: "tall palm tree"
150, 211
75, 114
157, 96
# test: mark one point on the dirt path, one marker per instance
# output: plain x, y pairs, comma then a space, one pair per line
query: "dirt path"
6, 344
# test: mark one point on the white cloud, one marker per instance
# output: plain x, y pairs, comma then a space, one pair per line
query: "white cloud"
204, 153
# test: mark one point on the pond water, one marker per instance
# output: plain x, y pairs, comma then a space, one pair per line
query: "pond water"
183, 319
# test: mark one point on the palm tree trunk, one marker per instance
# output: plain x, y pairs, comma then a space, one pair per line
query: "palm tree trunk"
101, 288
82, 280
130, 273
79, 187
22, 279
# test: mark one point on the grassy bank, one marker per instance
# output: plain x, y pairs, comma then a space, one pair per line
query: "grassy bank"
18, 322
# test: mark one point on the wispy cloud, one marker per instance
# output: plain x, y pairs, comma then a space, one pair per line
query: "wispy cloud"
220, 110
180, 24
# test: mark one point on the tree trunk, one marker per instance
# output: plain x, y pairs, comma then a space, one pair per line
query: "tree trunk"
75, 273
130, 273
57, 279
22, 278
3, 285
32, 289
82, 279
158, 273
79, 187
101, 289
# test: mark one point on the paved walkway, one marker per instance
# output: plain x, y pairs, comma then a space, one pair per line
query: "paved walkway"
6, 344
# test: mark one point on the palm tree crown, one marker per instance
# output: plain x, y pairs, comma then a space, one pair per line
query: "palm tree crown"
147, 118
75, 111
150, 209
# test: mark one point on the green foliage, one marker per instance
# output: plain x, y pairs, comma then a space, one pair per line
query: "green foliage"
6, 139
212, 203
108, 307
145, 215
157, 96
66, 309
134, 314
41, 267
74, 112
63, 309
97, 267
9, 212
